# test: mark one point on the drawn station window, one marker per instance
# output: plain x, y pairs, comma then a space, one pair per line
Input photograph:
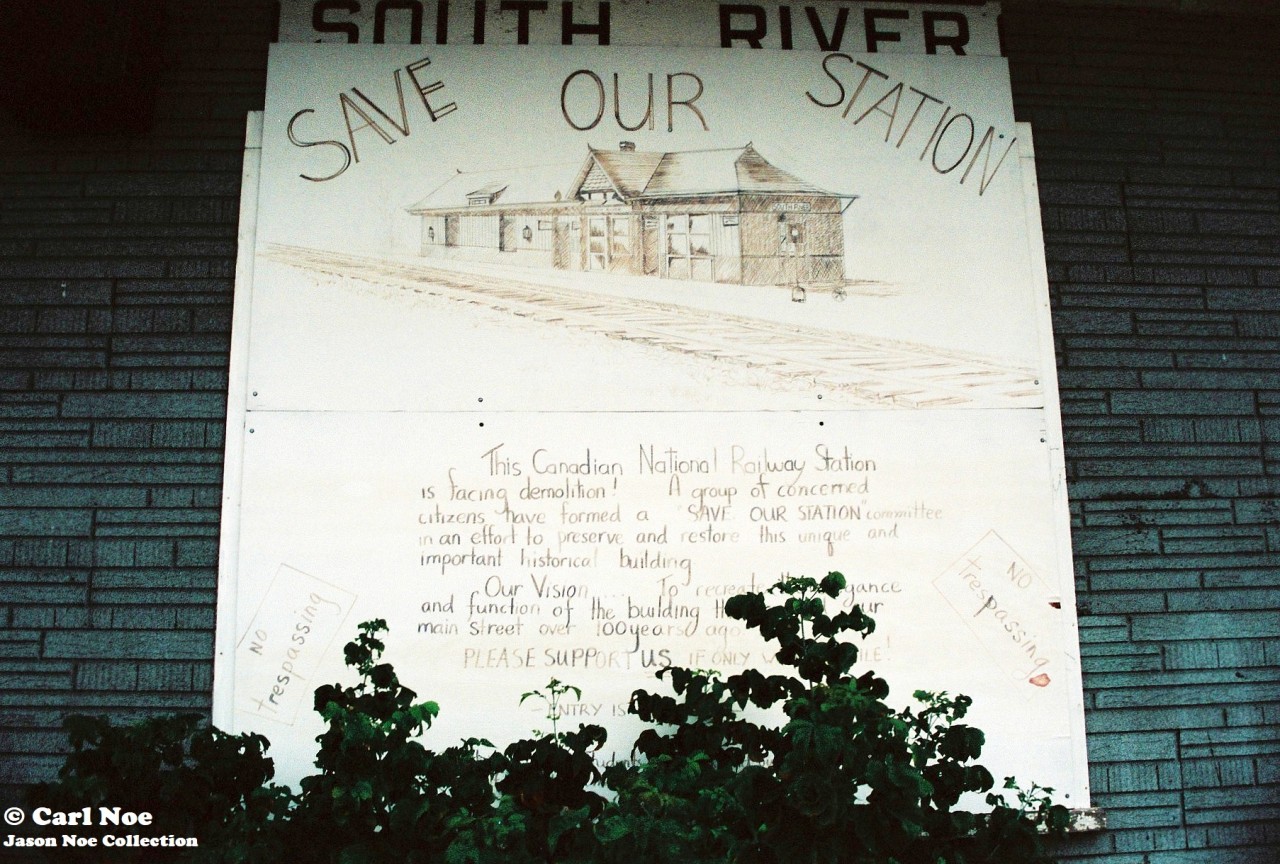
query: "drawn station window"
790, 233
485, 195
708, 215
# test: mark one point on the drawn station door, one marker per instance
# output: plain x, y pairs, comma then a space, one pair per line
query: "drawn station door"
689, 247
792, 230
506, 233
608, 243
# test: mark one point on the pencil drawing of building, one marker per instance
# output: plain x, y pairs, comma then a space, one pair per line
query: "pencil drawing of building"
720, 215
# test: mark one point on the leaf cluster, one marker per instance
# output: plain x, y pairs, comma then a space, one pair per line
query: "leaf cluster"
194, 779
846, 777
807, 766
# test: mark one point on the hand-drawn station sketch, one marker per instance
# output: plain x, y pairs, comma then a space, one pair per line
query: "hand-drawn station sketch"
722, 215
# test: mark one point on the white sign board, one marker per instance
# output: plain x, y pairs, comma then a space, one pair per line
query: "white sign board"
544, 353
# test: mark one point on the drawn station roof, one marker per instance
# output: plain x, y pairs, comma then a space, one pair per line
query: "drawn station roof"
733, 170
630, 175
500, 188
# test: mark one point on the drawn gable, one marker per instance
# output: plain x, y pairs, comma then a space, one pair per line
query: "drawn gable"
596, 184
624, 172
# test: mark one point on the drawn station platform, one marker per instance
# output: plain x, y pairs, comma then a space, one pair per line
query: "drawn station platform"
869, 370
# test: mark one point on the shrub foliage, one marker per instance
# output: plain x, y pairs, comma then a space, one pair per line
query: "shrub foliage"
808, 767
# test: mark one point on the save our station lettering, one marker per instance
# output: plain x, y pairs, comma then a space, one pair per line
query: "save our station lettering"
951, 140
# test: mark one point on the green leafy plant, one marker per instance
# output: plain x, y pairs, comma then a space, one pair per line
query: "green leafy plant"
551, 697
546, 785
194, 780
810, 765
847, 778
380, 795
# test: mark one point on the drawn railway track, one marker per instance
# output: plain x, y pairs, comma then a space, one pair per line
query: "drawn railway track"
872, 370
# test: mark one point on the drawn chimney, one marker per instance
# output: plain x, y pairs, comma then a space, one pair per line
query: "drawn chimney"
627, 146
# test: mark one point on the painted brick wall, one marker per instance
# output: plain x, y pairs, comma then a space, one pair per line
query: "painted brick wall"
116, 261
1158, 151
1157, 139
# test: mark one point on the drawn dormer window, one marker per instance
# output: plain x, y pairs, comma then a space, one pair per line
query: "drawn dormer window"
485, 195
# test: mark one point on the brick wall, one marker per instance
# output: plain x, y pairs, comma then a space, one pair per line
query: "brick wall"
1158, 151
117, 254
1156, 135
